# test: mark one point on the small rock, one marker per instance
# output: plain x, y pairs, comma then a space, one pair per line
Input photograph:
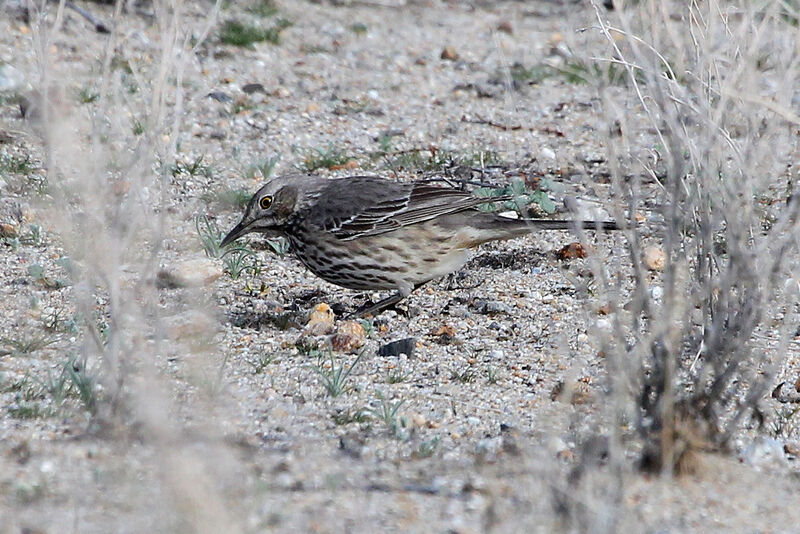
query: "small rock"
8, 229
312, 107
594, 158
250, 88
449, 53
418, 420
655, 258
657, 292
571, 252
320, 320
548, 153
491, 307
349, 336
120, 187
505, 27
190, 273
401, 346
218, 134
445, 334
220, 96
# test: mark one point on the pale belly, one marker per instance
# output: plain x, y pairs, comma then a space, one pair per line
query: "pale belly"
400, 260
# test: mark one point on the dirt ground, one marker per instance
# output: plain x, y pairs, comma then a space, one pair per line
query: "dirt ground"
227, 423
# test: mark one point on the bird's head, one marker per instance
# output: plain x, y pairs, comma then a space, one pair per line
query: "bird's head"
272, 205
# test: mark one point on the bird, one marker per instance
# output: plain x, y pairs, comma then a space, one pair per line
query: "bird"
369, 233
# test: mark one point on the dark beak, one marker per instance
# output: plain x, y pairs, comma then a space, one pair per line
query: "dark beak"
238, 231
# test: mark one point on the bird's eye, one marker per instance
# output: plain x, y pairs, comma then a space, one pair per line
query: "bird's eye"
265, 202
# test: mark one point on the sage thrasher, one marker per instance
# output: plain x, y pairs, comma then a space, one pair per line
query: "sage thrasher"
369, 233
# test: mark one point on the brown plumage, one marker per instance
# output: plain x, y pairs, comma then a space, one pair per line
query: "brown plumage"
368, 233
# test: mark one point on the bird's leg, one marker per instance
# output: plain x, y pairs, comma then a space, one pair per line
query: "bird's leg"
389, 302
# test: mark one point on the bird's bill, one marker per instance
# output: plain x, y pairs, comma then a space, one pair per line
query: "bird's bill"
238, 231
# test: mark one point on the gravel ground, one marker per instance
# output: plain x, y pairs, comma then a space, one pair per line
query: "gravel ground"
234, 431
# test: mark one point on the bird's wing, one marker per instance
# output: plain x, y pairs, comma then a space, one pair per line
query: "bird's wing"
365, 206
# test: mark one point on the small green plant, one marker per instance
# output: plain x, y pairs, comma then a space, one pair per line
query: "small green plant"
264, 167
396, 377
260, 362
57, 386
466, 375
59, 320
359, 28
237, 33
13, 164
521, 197
193, 168
88, 96
346, 417
241, 104
33, 237
533, 75
327, 158
137, 128
36, 271
279, 245
84, 382
334, 378
24, 346
427, 448
29, 410
386, 411
210, 236
491, 375
240, 259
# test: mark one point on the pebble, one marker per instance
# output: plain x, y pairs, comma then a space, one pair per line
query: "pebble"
8, 229
220, 96
349, 336
490, 307
190, 273
449, 53
250, 88
320, 320
505, 27
547, 153
396, 348
655, 258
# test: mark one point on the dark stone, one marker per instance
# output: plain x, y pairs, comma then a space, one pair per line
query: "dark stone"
401, 346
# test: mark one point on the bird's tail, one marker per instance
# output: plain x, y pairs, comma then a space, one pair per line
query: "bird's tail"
478, 227
561, 224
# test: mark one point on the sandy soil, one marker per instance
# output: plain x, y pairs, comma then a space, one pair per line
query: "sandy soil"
227, 426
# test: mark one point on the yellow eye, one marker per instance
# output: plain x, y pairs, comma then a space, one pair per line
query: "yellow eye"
265, 202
